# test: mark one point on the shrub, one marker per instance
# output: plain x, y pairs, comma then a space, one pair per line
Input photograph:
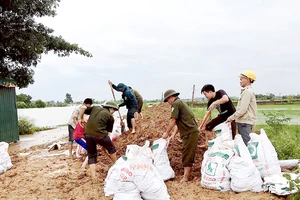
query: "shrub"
26, 126
21, 104
40, 104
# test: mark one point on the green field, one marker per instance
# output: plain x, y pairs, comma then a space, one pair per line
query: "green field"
285, 137
288, 110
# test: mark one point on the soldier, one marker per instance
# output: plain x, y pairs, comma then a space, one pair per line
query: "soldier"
130, 102
98, 126
183, 117
139, 99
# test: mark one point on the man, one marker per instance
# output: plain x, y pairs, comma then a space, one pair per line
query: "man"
246, 110
139, 99
73, 122
183, 117
224, 105
130, 102
98, 126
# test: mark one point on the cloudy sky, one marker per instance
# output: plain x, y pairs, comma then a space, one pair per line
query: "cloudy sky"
156, 45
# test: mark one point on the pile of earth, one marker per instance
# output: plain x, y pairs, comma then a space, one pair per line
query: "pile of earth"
40, 174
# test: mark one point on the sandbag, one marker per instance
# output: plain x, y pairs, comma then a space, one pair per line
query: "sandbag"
223, 129
161, 159
280, 185
263, 154
5, 161
243, 173
214, 172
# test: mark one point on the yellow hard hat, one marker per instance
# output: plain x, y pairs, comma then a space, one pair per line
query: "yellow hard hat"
250, 74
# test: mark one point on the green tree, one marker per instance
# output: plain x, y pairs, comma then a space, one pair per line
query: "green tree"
68, 99
23, 40
40, 104
24, 98
21, 104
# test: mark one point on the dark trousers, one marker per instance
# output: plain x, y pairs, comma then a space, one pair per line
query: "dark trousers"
130, 115
218, 120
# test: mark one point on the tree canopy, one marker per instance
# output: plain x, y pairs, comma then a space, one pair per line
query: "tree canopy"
23, 40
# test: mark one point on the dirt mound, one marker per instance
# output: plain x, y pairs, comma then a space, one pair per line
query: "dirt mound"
39, 174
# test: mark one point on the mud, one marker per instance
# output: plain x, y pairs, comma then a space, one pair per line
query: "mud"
39, 174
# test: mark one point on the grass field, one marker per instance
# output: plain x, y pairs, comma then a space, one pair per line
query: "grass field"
284, 137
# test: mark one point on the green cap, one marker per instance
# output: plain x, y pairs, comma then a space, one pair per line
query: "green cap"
169, 93
111, 104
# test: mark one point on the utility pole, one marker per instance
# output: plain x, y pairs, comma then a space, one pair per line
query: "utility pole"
193, 95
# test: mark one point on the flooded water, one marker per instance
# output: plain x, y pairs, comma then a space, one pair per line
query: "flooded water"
53, 116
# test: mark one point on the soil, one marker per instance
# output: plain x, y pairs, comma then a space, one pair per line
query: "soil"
39, 174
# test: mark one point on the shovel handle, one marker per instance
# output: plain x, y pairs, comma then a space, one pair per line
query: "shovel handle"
205, 119
112, 91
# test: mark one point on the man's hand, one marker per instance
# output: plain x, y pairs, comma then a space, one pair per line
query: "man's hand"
110, 83
228, 120
165, 135
212, 106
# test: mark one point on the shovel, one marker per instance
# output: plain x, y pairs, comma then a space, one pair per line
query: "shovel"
122, 124
202, 129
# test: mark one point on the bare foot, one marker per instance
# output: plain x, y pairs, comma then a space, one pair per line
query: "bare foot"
133, 131
94, 181
184, 180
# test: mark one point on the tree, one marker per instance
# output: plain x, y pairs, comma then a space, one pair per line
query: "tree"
23, 41
24, 98
68, 98
40, 104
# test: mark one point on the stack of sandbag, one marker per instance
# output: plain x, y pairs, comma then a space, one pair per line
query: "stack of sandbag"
134, 177
214, 172
263, 154
223, 129
161, 159
5, 161
244, 175
282, 184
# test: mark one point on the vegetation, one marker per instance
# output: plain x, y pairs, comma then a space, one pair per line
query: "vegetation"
26, 126
280, 123
68, 99
23, 40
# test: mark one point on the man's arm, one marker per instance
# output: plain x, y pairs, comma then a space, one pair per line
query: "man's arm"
242, 108
172, 123
223, 100
81, 113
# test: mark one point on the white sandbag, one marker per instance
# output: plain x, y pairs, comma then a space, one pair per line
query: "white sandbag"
127, 176
134, 150
289, 164
161, 159
215, 174
148, 180
132, 195
255, 147
270, 155
5, 161
224, 129
263, 154
244, 175
279, 185
119, 178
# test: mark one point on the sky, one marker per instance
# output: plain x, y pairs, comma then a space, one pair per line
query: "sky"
155, 45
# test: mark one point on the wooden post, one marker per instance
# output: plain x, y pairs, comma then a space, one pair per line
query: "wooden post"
193, 95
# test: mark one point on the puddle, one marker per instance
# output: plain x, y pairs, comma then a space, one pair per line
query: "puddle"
39, 138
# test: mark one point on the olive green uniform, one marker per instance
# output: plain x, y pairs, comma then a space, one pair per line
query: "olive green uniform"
100, 121
139, 99
188, 129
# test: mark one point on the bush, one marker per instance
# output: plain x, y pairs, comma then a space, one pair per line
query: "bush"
40, 104
21, 104
26, 126
285, 138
